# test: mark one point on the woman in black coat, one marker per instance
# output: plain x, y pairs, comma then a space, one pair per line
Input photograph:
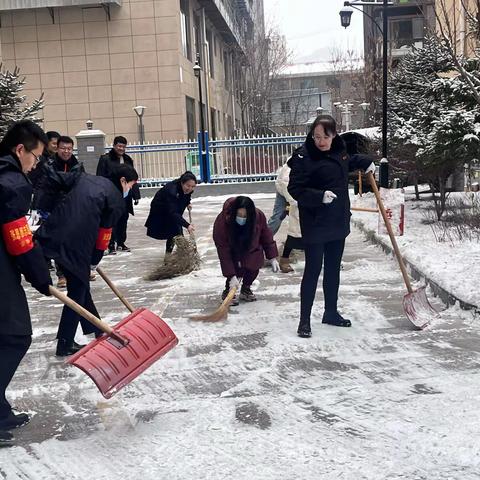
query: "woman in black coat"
319, 183
165, 220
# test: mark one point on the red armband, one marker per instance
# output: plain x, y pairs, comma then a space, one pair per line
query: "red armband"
17, 236
103, 239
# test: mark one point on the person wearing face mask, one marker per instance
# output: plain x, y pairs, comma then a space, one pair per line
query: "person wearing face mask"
242, 238
165, 220
319, 183
20, 149
77, 233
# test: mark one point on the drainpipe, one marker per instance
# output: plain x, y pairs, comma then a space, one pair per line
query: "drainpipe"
206, 69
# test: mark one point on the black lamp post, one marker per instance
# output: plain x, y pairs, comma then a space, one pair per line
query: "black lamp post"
345, 17
197, 70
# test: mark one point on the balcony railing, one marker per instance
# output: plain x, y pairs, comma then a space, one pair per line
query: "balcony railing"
6, 5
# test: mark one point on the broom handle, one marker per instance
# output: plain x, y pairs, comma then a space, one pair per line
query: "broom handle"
115, 290
360, 185
361, 209
81, 311
192, 236
390, 232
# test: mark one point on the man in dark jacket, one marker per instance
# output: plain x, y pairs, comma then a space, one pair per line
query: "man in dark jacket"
47, 196
49, 152
105, 168
19, 254
76, 234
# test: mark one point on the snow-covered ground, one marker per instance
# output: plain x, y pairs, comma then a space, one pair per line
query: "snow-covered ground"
454, 266
246, 398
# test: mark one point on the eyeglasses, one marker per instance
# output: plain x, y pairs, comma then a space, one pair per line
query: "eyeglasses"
66, 149
36, 158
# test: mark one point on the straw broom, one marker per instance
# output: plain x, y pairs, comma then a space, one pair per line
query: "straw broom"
183, 260
221, 312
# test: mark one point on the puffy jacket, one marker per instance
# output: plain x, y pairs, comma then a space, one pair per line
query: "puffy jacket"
312, 173
253, 259
281, 185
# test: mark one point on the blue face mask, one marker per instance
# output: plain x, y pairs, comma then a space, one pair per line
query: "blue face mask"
241, 220
125, 194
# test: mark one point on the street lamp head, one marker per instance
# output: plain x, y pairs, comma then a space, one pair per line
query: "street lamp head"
364, 106
319, 110
197, 69
346, 16
139, 110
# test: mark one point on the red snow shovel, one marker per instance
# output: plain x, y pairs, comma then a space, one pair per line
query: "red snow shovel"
415, 303
130, 347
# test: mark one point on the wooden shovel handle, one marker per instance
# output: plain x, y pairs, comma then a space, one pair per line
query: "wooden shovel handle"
403, 269
115, 290
81, 311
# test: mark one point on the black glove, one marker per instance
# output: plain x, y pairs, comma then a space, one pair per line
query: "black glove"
135, 202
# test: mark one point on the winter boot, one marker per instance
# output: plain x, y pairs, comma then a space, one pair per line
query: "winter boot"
123, 248
247, 295
334, 318
285, 266
304, 330
13, 420
66, 348
234, 301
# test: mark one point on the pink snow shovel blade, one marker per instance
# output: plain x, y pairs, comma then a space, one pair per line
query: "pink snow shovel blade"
415, 303
124, 351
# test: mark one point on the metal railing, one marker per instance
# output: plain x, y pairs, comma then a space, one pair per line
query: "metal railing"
230, 159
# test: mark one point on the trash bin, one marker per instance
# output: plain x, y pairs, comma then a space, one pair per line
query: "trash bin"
192, 162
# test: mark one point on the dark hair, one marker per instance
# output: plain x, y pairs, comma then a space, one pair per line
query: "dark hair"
186, 176
65, 139
25, 132
327, 122
241, 237
124, 170
120, 139
52, 134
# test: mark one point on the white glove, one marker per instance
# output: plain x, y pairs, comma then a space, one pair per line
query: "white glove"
234, 282
275, 265
371, 168
328, 196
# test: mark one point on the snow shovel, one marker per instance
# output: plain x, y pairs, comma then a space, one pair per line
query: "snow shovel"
221, 313
415, 303
130, 347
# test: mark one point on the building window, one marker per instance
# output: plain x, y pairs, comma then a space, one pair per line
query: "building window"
197, 39
213, 123
211, 57
226, 66
190, 108
285, 107
185, 29
405, 32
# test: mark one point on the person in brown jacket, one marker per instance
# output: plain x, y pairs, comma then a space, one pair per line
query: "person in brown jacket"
241, 235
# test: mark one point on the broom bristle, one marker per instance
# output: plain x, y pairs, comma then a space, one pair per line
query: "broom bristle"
183, 260
221, 313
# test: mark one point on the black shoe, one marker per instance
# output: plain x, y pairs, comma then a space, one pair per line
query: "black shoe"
247, 295
14, 420
234, 302
123, 248
111, 251
66, 348
77, 345
6, 438
304, 330
336, 319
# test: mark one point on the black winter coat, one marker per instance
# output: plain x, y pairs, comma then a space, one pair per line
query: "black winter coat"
312, 173
70, 232
15, 196
106, 167
165, 219
46, 195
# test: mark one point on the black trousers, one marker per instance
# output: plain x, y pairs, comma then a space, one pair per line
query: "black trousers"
79, 291
292, 243
12, 349
119, 232
331, 254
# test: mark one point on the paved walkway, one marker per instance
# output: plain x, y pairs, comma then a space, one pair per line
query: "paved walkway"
246, 398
